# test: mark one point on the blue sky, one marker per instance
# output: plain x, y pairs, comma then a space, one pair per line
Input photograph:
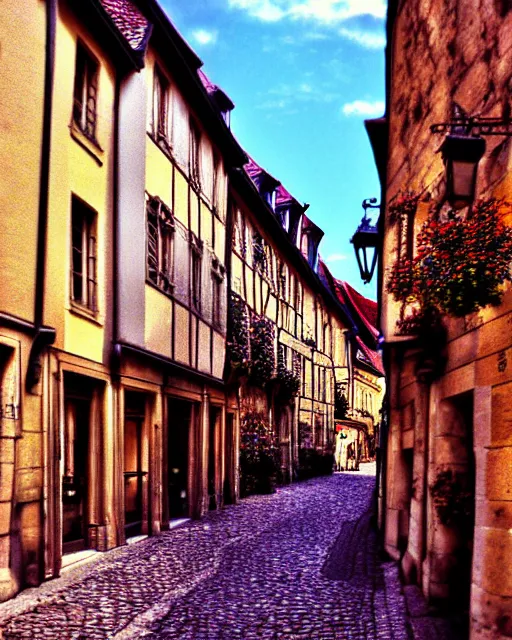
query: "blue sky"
303, 75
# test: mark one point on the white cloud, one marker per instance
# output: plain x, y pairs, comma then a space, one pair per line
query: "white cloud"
366, 39
316, 35
306, 88
363, 108
336, 257
204, 37
327, 12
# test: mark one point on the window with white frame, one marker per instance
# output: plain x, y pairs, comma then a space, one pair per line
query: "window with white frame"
160, 229
84, 285
85, 94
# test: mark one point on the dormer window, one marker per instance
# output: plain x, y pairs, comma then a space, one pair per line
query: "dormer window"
269, 198
284, 216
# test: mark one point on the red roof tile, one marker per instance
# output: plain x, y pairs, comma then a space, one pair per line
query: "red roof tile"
372, 357
365, 308
130, 21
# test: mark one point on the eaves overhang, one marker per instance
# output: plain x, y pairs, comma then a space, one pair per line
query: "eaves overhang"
377, 130
94, 16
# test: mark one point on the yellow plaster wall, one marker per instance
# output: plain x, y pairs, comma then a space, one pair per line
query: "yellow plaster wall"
158, 327
158, 172
182, 334
21, 112
220, 239
74, 170
83, 338
204, 347
206, 225
181, 197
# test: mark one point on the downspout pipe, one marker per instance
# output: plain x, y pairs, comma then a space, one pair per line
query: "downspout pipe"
116, 351
44, 336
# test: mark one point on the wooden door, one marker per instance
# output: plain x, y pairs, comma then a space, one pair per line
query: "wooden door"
133, 475
75, 480
180, 415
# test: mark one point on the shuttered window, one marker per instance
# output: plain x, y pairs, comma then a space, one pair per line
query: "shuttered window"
160, 245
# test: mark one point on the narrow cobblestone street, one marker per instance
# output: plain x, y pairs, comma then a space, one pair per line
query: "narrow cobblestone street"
297, 564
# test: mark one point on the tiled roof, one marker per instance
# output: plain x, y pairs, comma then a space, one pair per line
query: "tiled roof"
130, 21
365, 308
283, 196
372, 357
223, 101
309, 226
207, 83
254, 170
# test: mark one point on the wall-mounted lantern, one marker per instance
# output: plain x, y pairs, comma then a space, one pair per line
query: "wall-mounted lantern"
462, 150
461, 155
366, 242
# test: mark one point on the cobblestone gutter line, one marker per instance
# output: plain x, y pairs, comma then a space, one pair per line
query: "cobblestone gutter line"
253, 570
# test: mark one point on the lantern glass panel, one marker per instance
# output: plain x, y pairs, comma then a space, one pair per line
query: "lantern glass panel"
464, 174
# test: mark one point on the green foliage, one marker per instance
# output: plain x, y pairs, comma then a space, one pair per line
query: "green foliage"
238, 345
262, 333
259, 454
289, 381
340, 404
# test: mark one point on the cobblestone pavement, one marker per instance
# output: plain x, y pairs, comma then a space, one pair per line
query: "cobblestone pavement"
300, 563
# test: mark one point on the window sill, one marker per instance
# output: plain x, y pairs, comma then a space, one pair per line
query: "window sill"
91, 146
85, 313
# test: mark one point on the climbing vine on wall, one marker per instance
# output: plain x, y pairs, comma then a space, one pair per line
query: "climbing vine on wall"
238, 345
259, 454
262, 333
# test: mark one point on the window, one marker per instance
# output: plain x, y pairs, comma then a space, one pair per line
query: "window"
85, 92
258, 250
83, 255
282, 281
160, 245
218, 272
161, 126
196, 253
298, 297
195, 139
218, 184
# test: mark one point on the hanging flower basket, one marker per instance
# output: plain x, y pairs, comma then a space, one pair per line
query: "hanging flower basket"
460, 265
403, 205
